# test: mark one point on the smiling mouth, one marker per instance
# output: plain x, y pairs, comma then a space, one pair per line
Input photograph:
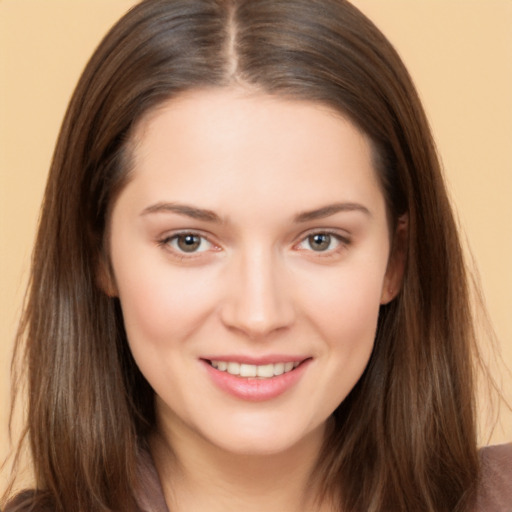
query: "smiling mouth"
264, 371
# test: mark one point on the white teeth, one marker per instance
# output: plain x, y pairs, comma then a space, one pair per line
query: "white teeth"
279, 369
264, 371
233, 368
248, 370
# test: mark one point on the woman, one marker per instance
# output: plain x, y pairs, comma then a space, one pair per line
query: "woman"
247, 288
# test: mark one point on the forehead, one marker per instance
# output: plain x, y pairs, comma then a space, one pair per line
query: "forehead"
210, 145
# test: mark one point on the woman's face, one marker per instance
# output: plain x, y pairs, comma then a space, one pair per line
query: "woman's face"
250, 256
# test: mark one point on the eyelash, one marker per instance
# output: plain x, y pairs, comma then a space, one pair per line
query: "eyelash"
168, 240
342, 243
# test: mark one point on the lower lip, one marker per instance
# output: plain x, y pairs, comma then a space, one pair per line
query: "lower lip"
256, 390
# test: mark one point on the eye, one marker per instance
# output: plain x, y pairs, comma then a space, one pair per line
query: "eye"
319, 241
188, 243
322, 242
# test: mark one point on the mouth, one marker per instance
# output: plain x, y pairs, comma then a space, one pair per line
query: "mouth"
255, 371
256, 380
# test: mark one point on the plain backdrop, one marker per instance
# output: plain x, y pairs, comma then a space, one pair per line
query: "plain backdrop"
459, 53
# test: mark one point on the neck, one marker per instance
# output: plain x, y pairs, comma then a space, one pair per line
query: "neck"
198, 476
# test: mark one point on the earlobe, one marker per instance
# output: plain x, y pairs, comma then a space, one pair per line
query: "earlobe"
105, 277
397, 260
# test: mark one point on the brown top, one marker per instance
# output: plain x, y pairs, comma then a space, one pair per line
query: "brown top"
495, 491
494, 495
150, 496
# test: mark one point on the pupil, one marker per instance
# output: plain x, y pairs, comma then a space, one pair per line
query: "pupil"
189, 243
320, 242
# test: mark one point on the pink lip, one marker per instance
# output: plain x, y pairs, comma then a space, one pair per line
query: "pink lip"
269, 359
252, 389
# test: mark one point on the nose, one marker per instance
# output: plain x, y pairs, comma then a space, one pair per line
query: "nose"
258, 300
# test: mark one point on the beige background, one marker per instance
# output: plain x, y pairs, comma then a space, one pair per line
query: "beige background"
458, 51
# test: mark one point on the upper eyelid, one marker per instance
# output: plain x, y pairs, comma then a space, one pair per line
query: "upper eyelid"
339, 234
182, 232
167, 238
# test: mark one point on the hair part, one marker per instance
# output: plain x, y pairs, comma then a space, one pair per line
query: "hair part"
404, 439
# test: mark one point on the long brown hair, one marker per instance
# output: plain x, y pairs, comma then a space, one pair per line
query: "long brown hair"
404, 438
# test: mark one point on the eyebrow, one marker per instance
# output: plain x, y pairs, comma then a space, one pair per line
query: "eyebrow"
183, 209
210, 216
331, 209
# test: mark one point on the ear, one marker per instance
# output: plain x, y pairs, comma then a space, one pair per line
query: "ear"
105, 276
396, 263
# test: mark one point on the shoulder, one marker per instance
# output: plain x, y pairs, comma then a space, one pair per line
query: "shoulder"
495, 488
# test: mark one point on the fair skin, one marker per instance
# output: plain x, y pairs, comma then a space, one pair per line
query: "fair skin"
253, 238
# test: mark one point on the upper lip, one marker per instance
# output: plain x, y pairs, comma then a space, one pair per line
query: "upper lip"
258, 361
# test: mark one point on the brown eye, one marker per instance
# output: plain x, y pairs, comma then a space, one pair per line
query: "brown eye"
188, 242
320, 241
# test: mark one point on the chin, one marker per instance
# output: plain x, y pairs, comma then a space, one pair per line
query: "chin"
266, 440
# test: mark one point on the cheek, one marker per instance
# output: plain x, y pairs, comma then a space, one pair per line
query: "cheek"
345, 313
163, 312
347, 299
350, 344
159, 304
349, 324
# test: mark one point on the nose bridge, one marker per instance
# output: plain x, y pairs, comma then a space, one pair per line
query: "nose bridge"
258, 301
